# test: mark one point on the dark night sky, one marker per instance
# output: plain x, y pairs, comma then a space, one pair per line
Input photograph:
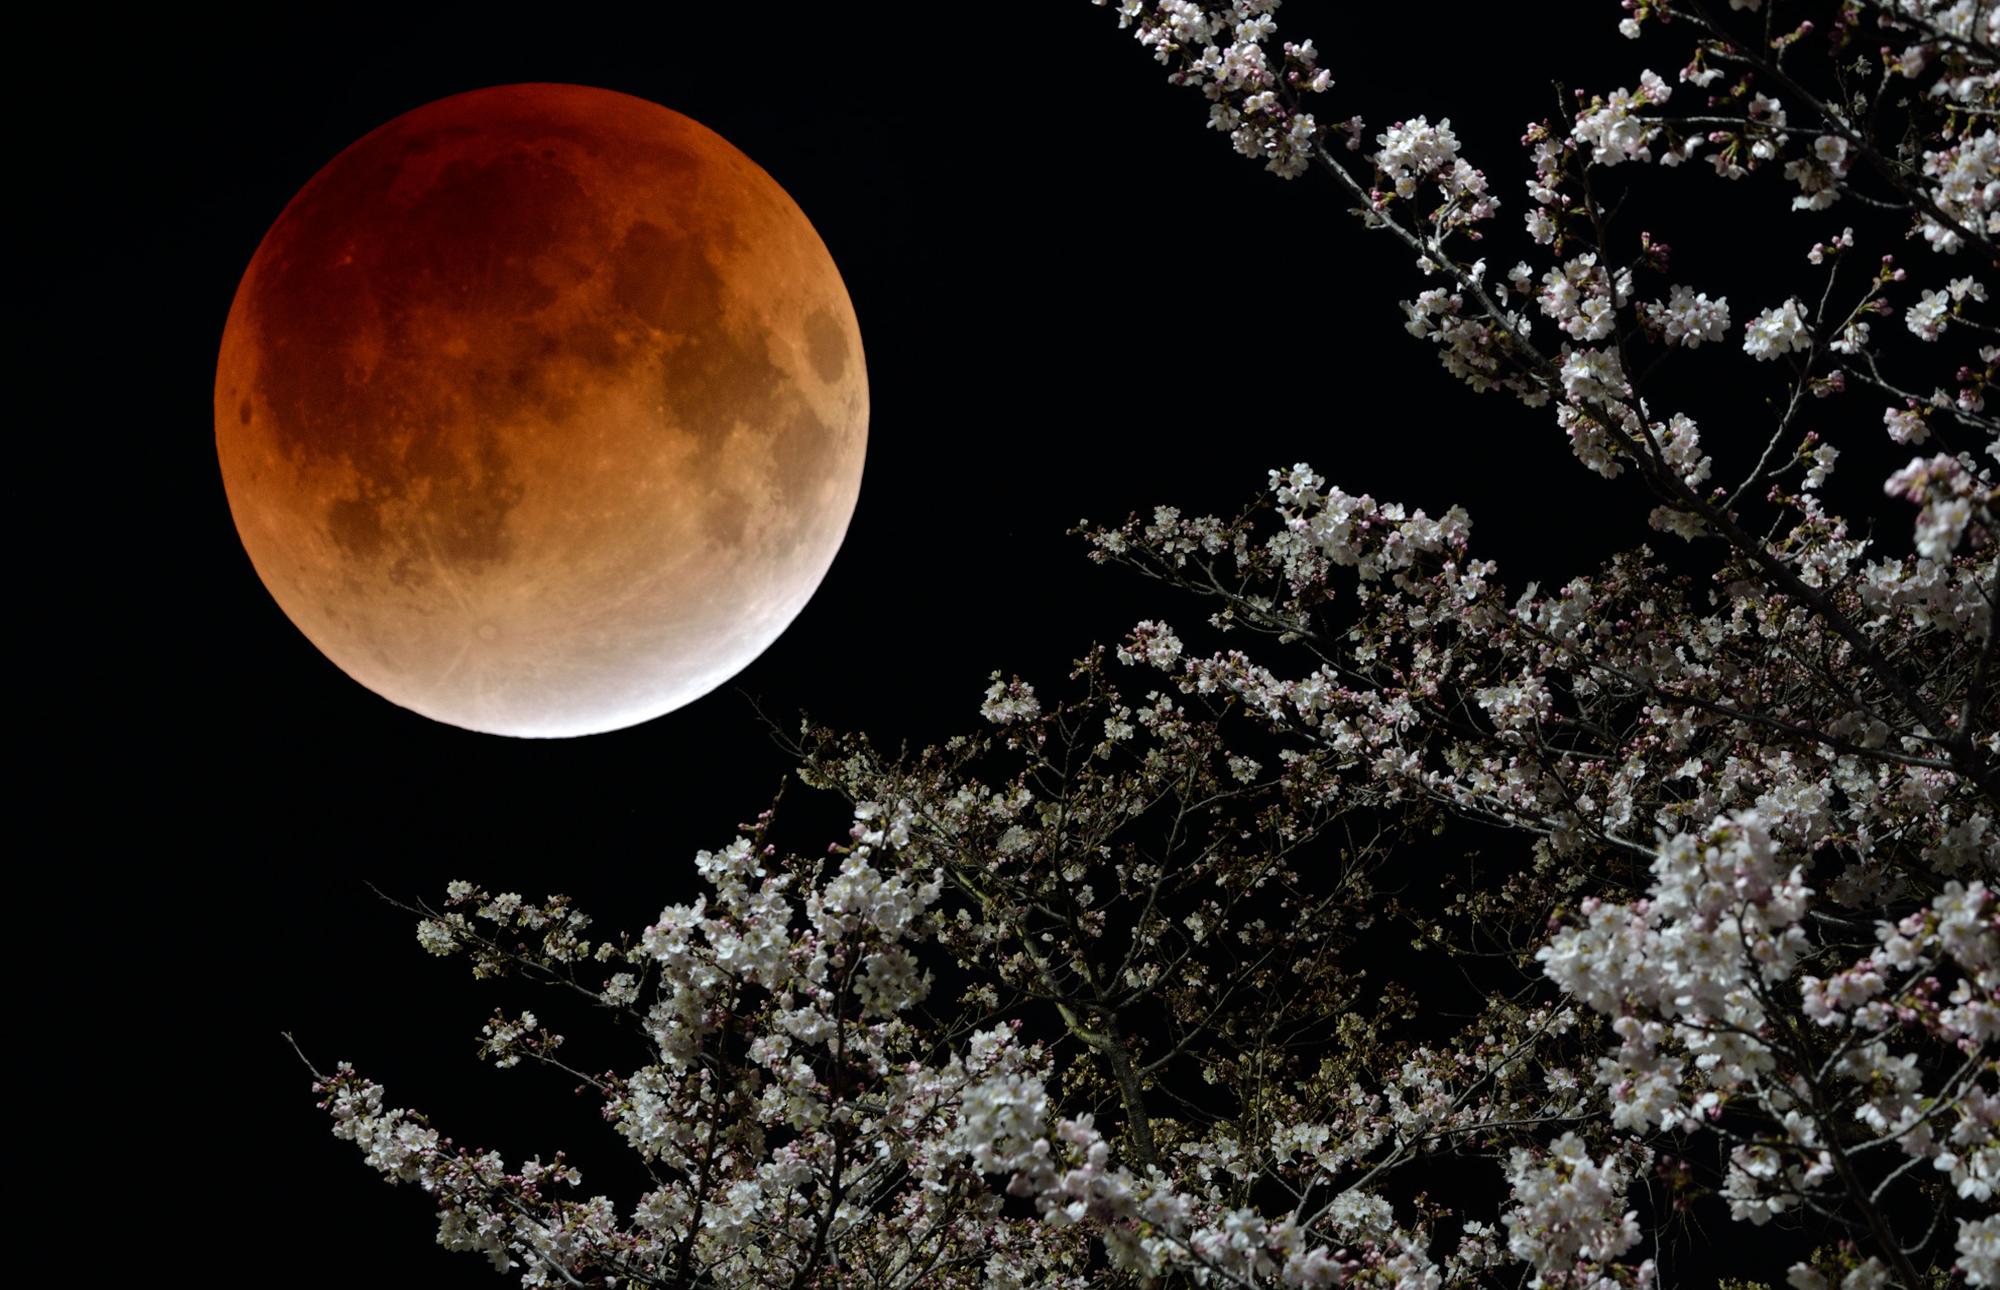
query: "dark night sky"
1074, 300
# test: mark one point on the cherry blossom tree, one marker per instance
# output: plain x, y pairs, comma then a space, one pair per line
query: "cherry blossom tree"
1091, 994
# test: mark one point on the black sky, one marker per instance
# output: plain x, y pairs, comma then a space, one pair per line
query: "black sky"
1075, 301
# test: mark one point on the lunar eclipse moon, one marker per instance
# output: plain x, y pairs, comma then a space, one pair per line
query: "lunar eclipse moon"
541, 410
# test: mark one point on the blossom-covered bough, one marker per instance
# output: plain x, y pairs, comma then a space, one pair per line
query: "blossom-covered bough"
1107, 992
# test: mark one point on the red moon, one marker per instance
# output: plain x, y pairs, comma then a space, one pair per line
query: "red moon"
541, 410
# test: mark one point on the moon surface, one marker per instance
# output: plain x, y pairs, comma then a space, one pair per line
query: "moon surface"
541, 410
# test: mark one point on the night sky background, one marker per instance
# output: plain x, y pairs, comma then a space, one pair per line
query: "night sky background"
1075, 301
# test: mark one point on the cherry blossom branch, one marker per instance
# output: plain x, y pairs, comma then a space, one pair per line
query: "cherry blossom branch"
1897, 174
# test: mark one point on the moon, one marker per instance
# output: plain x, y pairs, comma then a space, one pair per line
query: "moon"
541, 410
